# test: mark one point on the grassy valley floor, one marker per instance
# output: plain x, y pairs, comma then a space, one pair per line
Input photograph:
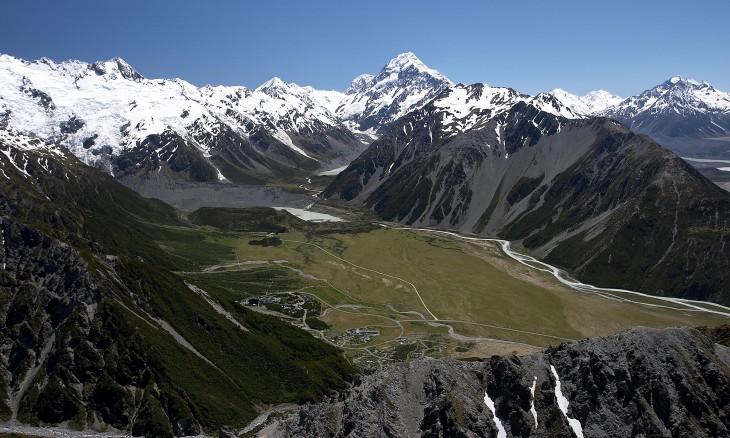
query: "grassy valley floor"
389, 294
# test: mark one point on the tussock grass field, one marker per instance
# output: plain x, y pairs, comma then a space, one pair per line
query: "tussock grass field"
449, 296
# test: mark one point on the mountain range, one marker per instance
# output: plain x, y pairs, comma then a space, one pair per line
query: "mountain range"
421, 150
150, 132
689, 117
105, 327
143, 130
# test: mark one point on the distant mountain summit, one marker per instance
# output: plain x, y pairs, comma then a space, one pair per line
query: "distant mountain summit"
690, 117
113, 67
360, 84
591, 103
679, 107
403, 85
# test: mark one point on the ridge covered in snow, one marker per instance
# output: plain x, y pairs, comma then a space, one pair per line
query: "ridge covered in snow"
676, 94
466, 107
591, 103
679, 113
105, 108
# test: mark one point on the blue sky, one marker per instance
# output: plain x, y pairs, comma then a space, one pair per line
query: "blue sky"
622, 46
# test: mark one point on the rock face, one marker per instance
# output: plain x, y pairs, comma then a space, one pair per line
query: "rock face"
47, 281
643, 382
611, 206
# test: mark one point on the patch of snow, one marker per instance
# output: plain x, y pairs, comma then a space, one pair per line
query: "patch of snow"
724, 169
533, 411
563, 405
2, 241
591, 103
501, 432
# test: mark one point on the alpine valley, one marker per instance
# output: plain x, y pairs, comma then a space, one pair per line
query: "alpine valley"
409, 257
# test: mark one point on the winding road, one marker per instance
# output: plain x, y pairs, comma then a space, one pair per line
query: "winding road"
423, 318
562, 277
429, 318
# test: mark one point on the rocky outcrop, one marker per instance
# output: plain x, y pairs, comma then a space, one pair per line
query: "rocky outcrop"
44, 282
643, 382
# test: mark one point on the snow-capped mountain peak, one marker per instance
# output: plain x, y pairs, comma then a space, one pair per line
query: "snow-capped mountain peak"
116, 66
404, 59
677, 108
404, 84
674, 80
591, 103
272, 84
552, 105
359, 84
409, 62
678, 93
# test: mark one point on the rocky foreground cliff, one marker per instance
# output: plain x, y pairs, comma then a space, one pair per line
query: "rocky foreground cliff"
642, 382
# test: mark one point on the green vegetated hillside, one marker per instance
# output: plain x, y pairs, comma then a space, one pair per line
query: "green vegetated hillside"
100, 332
251, 219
